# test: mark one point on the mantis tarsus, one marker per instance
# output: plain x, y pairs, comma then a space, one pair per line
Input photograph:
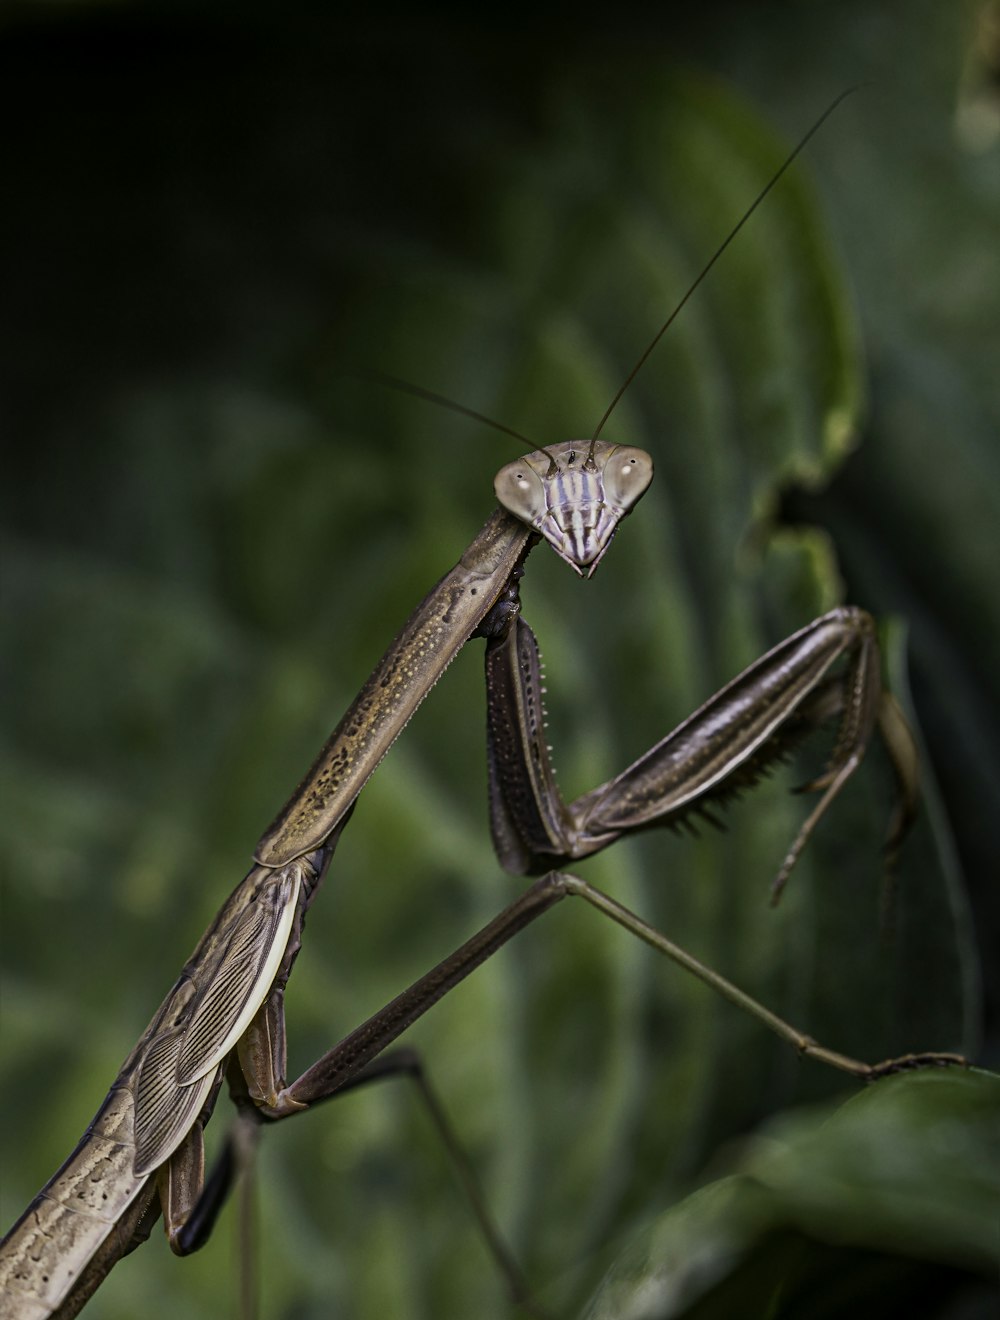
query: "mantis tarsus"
230, 994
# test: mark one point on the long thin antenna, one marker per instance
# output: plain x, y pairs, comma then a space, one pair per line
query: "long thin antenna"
718, 253
418, 392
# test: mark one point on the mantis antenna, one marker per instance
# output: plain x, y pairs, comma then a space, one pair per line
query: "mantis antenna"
406, 387
418, 392
711, 262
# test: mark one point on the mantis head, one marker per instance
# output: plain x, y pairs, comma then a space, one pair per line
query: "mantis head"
575, 494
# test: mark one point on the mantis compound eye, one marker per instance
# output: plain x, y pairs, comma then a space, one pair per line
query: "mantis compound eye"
627, 473
521, 492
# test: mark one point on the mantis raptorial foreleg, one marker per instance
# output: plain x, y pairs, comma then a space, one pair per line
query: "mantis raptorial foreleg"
723, 747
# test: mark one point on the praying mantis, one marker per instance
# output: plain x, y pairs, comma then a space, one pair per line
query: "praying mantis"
724, 746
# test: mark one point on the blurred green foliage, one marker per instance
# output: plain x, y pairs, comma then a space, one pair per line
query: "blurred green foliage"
890, 1194
212, 528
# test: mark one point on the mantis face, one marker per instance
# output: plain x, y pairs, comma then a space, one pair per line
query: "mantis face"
575, 494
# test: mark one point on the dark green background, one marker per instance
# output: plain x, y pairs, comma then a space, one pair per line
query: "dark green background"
210, 217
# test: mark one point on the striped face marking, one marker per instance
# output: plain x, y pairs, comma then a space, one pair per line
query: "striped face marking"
575, 502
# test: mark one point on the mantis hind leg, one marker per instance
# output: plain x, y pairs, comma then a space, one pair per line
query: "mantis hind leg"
262, 1094
192, 1203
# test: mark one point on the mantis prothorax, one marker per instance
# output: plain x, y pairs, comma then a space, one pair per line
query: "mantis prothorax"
143, 1152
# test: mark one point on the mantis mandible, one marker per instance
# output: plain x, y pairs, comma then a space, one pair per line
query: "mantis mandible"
143, 1151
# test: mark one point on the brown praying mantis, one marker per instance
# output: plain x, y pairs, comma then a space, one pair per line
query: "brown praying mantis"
143, 1152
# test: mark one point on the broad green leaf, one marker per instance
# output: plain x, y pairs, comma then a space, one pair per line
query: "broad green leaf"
909, 1170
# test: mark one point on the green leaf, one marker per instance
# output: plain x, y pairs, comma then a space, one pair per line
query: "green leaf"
908, 1170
